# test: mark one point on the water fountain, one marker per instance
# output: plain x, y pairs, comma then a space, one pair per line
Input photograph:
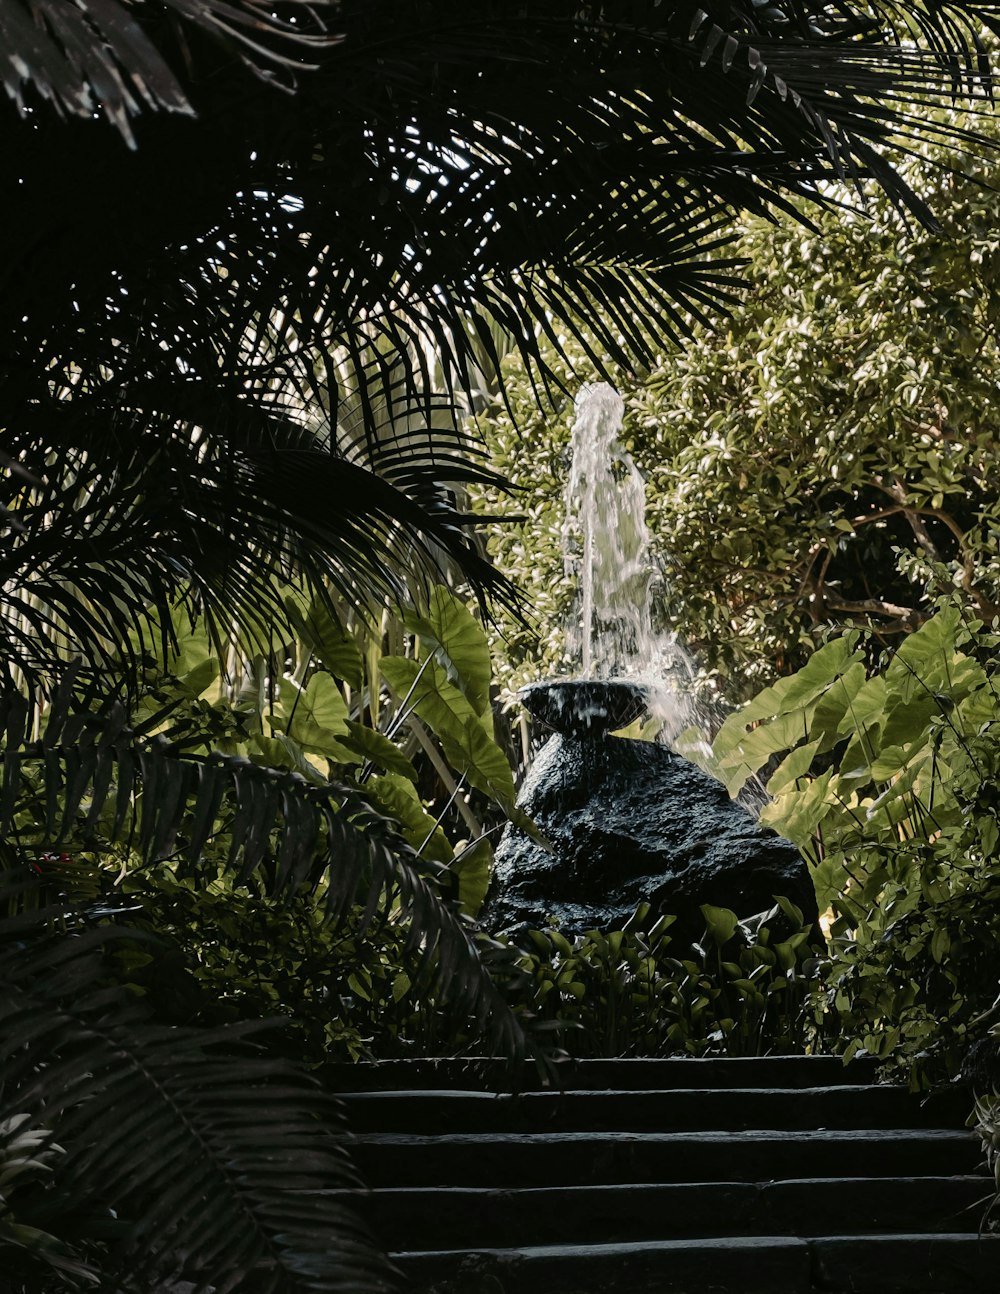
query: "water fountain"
627, 820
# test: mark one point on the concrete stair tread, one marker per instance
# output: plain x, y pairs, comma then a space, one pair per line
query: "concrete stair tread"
823, 1181
477, 1094
888, 1264
485, 1073
732, 1243
423, 1217
437, 1110
847, 1136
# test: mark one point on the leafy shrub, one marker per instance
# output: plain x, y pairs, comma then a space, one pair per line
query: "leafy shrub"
740, 991
886, 777
838, 415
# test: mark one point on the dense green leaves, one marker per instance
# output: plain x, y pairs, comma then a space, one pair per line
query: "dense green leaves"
886, 781
826, 457
740, 991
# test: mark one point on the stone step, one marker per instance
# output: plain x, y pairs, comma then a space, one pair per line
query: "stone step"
736, 1108
640, 1074
593, 1158
423, 1218
902, 1263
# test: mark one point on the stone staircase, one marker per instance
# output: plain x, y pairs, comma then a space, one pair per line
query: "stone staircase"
790, 1175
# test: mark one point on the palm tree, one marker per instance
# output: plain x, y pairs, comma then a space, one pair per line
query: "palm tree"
213, 213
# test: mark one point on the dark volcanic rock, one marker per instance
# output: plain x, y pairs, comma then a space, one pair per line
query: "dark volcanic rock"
631, 820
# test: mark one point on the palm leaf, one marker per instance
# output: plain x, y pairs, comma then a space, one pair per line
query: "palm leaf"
91, 767
224, 1165
183, 325
107, 57
222, 525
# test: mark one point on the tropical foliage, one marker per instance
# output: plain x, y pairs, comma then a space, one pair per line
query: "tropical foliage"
744, 989
884, 773
274, 857
239, 328
263, 282
233, 1200
825, 457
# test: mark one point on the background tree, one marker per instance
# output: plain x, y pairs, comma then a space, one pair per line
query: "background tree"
827, 456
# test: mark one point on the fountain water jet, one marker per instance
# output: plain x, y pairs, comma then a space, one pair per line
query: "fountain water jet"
605, 538
608, 553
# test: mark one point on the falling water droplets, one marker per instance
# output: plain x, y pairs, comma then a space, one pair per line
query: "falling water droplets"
607, 551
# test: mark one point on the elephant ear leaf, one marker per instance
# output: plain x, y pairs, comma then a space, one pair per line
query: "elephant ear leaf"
460, 646
333, 646
474, 867
398, 797
314, 716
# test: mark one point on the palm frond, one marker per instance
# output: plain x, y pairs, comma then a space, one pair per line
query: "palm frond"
175, 325
224, 1166
154, 511
107, 57
90, 769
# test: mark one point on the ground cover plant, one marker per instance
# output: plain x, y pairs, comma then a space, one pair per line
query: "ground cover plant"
742, 990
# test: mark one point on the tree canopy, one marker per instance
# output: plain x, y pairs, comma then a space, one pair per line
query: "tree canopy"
826, 456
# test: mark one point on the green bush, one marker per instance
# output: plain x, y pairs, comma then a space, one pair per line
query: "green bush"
886, 776
739, 991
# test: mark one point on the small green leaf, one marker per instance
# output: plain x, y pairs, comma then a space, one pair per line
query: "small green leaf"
721, 923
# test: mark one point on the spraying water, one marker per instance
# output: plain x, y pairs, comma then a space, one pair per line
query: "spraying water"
606, 543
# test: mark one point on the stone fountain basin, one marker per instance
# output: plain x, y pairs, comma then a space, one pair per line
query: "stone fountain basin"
585, 707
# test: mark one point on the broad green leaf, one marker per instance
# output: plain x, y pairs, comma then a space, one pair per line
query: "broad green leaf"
459, 643
793, 693
192, 649
721, 923
797, 814
466, 744
926, 652
940, 944
906, 721
202, 676
829, 880
281, 752
792, 767
376, 746
836, 703
318, 707
397, 796
473, 866
866, 708
433, 697
485, 764
333, 646
757, 747
889, 761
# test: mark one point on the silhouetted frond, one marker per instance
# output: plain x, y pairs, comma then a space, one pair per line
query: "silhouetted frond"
215, 1163
89, 768
105, 57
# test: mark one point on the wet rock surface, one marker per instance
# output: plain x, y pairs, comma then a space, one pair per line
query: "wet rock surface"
632, 821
